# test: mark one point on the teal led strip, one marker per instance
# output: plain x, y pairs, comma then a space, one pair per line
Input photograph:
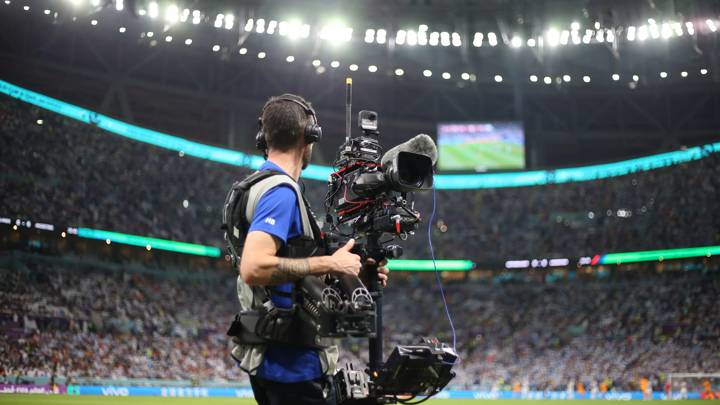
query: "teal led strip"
321, 173
154, 243
656, 255
427, 265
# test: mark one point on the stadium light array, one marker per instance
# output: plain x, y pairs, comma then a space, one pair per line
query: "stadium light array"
337, 32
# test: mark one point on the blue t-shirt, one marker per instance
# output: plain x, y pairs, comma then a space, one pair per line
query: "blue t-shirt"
278, 214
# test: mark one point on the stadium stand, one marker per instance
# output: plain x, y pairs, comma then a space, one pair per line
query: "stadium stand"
85, 323
99, 180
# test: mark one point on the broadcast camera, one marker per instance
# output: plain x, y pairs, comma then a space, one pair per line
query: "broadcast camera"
369, 195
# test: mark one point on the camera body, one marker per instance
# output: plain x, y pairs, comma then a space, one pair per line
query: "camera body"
370, 197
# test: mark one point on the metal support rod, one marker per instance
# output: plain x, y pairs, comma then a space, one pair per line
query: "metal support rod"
375, 343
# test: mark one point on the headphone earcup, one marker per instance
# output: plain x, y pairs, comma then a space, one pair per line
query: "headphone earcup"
313, 133
260, 141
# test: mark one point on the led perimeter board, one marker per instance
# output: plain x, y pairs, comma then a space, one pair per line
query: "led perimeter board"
481, 146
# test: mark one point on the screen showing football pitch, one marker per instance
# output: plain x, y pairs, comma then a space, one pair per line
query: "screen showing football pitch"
481, 146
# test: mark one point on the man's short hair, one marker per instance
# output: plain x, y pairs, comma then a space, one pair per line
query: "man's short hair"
284, 122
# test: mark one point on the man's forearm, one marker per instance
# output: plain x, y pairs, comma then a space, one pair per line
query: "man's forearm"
284, 270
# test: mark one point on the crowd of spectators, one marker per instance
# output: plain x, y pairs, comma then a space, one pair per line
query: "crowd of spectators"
85, 323
61, 171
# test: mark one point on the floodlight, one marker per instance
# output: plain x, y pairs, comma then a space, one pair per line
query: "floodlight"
290, 59
456, 41
615, 77
271, 27
516, 42
353, 67
153, 9
446, 75
445, 38
631, 33
229, 21
434, 38
492, 39
477, 39
400, 37
335, 64
372, 68
533, 78
553, 37
261, 55
666, 31
465, 76
172, 14
427, 73
498, 78
411, 38
566, 78
380, 36
711, 25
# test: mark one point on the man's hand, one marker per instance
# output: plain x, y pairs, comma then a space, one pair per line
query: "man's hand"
345, 262
382, 270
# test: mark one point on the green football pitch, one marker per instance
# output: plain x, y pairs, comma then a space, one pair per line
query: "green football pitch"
20, 399
492, 155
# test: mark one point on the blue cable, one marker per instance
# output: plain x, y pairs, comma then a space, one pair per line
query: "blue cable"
437, 273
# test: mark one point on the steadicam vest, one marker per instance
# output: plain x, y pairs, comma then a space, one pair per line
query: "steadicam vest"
259, 322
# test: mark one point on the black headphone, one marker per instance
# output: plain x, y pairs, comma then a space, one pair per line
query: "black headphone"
312, 132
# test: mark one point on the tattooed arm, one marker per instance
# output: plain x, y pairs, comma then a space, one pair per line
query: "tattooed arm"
261, 266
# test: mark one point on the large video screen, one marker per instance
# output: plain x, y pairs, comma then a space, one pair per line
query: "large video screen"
481, 146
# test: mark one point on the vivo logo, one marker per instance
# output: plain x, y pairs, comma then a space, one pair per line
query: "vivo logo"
115, 391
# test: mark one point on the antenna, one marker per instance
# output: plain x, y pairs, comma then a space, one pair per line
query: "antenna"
348, 108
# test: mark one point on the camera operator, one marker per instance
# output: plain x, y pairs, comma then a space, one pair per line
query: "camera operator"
286, 373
